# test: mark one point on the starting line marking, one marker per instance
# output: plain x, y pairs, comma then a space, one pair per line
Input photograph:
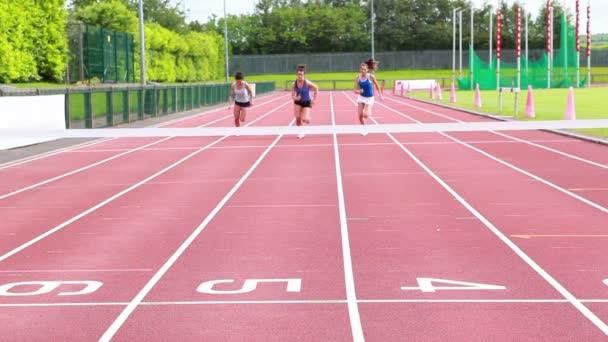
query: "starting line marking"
526, 236
312, 301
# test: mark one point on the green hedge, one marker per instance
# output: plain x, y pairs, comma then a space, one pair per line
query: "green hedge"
33, 41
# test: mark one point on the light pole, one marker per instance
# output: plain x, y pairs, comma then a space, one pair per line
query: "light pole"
226, 39
454, 44
472, 53
373, 16
142, 45
490, 46
460, 41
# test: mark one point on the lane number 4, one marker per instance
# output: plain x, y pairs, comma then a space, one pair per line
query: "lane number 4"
434, 284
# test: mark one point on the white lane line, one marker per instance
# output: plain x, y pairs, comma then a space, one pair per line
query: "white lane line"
312, 301
51, 153
124, 315
91, 143
559, 287
349, 278
110, 199
283, 206
80, 169
552, 281
529, 174
511, 137
102, 161
77, 271
554, 151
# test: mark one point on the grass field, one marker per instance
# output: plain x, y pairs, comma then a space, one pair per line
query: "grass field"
388, 76
549, 104
348, 77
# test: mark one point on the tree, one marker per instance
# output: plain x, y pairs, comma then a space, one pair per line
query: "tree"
112, 14
163, 13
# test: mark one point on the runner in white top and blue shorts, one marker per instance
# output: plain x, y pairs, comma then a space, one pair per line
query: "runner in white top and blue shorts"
241, 93
364, 87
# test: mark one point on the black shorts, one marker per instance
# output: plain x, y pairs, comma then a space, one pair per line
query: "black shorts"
303, 103
242, 104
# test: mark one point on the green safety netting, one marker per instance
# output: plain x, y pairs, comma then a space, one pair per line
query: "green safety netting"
534, 73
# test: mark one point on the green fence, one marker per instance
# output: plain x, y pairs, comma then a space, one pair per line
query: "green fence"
102, 53
98, 107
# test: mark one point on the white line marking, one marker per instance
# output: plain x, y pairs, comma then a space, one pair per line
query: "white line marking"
98, 163
282, 206
561, 289
45, 305
554, 150
110, 199
124, 315
79, 170
351, 295
70, 271
531, 175
554, 186
511, 137
311, 301
52, 153
91, 143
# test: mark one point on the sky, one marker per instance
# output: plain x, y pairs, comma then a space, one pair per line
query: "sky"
201, 10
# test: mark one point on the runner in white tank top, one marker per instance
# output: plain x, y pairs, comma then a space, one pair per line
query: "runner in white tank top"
241, 94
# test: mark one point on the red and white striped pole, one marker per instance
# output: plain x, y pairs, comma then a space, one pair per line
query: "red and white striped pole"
549, 42
589, 44
578, 45
498, 46
518, 43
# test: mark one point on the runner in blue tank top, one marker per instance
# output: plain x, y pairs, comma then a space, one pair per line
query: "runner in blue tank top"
364, 87
300, 93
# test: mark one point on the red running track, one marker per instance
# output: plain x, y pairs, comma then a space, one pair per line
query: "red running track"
425, 236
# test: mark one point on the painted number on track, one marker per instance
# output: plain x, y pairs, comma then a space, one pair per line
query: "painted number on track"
293, 285
43, 287
427, 285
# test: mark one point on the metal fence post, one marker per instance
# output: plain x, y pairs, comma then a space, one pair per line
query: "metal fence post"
88, 108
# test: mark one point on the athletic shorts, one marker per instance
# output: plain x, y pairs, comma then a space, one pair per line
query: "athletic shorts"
366, 100
303, 103
242, 104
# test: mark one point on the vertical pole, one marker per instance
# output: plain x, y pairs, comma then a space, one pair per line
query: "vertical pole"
518, 43
142, 45
589, 43
549, 42
499, 21
81, 77
565, 47
526, 55
226, 40
373, 19
578, 45
471, 66
454, 45
460, 41
490, 45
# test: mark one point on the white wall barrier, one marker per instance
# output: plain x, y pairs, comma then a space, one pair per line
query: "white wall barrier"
30, 113
401, 85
